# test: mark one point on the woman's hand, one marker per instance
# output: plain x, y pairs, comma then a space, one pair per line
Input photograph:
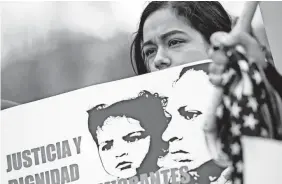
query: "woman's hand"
225, 177
243, 41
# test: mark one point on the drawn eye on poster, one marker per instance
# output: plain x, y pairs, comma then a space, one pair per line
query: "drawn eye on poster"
144, 129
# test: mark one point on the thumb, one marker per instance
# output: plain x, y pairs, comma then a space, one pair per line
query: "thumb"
251, 47
239, 37
232, 39
227, 173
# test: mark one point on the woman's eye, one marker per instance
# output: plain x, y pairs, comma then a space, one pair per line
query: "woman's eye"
108, 145
192, 114
149, 52
189, 114
174, 42
134, 137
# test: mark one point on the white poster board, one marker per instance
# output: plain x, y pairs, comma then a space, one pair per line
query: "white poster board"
49, 141
263, 161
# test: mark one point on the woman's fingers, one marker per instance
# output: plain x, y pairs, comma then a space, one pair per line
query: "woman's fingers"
217, 67
215, 71
225, 177
227, 173
215, 79
217, 38
236, 38
252, 48
218, 56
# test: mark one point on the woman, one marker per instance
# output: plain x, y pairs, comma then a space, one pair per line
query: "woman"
128, 140
186, 138
172, 33
196, 21
199, 20
175, 33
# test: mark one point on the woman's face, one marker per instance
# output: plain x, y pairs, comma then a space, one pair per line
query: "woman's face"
168, 40
123, 146
187, 106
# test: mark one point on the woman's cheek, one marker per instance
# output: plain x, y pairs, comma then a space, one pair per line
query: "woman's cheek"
107, 158
142, 144
139, 150
200, 121
104, 154
194, 52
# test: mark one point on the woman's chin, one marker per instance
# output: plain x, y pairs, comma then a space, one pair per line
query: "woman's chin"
169, 163
127, 173
166, 163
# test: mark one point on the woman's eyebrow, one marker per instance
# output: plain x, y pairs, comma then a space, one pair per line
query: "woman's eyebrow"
170, 33
132, 133
106, 142
150, 42
163, 37
184, 112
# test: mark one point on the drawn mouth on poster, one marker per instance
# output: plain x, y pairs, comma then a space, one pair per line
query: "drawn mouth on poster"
41, 155
124, 165
182, 160
149, 137
180, 156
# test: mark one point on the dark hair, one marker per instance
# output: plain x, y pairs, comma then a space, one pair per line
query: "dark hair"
206, 17
149, 110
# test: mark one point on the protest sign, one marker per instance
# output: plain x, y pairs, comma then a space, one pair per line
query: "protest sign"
144, 129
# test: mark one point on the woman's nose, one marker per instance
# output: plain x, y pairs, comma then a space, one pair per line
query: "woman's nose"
121, 155
161, 60
120, 148
171, 134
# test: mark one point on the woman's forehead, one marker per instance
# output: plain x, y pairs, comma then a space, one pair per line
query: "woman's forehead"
191, 90
162, 21
116, 127
191, 100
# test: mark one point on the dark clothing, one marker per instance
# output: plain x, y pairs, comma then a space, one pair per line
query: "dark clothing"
206, 173
274, 78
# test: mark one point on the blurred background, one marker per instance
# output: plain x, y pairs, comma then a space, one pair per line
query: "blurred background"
48, 48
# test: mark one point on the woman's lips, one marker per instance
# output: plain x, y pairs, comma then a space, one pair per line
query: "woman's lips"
181, 156
180, 151
124, 165
183, 160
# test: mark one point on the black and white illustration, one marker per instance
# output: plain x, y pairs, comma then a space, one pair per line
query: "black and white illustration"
144, 121
147, 129
128, 134
182, 130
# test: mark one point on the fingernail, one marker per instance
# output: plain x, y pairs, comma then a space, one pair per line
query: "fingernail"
210, 51
225, 39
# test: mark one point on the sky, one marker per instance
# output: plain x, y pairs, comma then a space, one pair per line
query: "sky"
99, 18
33, 46
25, 22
